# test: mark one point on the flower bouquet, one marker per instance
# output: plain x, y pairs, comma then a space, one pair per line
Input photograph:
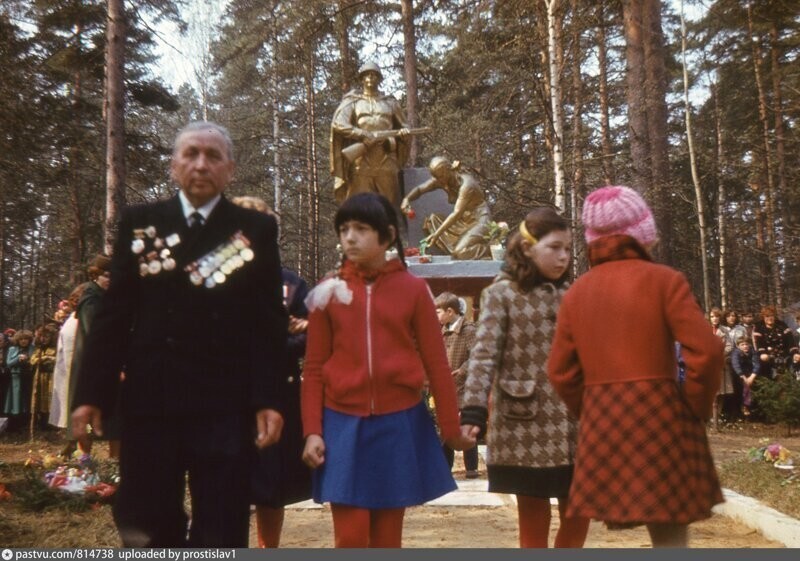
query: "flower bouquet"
497, 234
775, 453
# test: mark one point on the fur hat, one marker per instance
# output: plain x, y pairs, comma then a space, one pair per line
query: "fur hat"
618, 210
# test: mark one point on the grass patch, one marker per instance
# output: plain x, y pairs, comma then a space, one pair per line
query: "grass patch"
777, 488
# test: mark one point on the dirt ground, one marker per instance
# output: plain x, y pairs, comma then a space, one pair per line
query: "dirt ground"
425, 527
490, 527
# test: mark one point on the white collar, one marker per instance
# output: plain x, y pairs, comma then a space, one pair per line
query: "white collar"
204, 210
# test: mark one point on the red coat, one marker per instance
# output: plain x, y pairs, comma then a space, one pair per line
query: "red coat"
642, 454
371, 356
619, 323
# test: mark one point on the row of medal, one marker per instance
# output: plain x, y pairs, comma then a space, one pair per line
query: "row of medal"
160, 257
215, 267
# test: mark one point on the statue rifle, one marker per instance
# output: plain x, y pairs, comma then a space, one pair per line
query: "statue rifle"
358, 149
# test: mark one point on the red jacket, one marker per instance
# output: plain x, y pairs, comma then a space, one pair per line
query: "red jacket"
619, 322
371, 356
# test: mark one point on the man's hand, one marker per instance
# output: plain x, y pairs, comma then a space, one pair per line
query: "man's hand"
314, 451
82, 417
269, 424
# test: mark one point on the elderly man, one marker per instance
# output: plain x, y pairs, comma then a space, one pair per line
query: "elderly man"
194, 317
363, 160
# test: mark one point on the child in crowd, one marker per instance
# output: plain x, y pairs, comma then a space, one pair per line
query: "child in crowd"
372, 338
279, 477
532, 437
643, 456
459, 338
745, 364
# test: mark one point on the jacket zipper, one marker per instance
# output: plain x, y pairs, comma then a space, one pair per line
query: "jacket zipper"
369, 350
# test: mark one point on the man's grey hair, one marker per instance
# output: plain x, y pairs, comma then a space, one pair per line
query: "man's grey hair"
205, 125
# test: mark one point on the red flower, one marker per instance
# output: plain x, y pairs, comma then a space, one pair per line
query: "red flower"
411, 251
411, 214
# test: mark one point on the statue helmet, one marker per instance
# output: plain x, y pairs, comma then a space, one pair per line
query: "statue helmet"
370, 66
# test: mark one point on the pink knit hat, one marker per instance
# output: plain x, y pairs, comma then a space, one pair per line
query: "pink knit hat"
618, 210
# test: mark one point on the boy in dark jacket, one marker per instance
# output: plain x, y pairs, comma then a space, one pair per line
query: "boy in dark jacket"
745, 364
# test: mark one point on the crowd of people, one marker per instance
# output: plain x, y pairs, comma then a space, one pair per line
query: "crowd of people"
755, 352
193, 343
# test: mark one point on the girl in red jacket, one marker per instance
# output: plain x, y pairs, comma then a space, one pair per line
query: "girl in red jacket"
373, 337
643, 456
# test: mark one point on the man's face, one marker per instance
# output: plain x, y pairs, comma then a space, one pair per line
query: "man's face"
201, 165
747, 319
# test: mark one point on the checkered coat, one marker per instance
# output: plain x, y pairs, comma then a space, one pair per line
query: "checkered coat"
643, 455
529, 425
458, 341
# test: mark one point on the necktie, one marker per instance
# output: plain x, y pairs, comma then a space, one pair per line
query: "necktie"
196, 221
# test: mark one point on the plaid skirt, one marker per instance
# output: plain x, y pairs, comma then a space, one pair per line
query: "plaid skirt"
642, 457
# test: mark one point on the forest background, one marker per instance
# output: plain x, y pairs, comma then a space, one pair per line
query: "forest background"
543, 100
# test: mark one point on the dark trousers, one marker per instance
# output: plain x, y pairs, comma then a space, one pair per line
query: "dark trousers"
159, 456
470, 457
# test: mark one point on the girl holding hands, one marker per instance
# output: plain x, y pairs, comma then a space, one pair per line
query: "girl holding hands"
532, 438
373, 336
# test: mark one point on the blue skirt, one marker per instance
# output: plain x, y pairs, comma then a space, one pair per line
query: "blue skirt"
381, 461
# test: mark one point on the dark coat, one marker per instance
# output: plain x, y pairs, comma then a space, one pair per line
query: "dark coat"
188, 349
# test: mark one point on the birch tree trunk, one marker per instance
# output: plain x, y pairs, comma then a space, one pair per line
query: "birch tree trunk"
698, 193
553, 40
116, 33
577, 139
410, 69
277, 144
313, 175
722, 203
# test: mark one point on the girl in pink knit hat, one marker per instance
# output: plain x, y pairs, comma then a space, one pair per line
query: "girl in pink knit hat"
643, 456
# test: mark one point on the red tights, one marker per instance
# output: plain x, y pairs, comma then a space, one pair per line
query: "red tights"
269, 523
361, 527
534, 524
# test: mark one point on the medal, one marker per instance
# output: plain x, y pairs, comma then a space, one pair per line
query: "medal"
164, 253
158, 243
226, 268
154, 267
219, 277
137, 245
150, 231
168, 264
144, 270
173, 240
196, 278
210, 282
247, 254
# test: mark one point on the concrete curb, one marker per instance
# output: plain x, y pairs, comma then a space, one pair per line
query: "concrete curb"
755, 514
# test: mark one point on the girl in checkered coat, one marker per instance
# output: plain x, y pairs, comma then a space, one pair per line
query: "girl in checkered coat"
532, 437
643, 456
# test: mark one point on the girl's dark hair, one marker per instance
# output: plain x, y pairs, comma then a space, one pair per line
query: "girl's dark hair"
539, 222
375, 210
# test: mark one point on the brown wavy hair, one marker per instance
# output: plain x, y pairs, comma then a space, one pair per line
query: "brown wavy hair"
539, 222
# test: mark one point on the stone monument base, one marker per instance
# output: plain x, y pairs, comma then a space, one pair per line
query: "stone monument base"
463, 278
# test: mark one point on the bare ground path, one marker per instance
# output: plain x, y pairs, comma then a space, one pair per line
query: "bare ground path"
426, 526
